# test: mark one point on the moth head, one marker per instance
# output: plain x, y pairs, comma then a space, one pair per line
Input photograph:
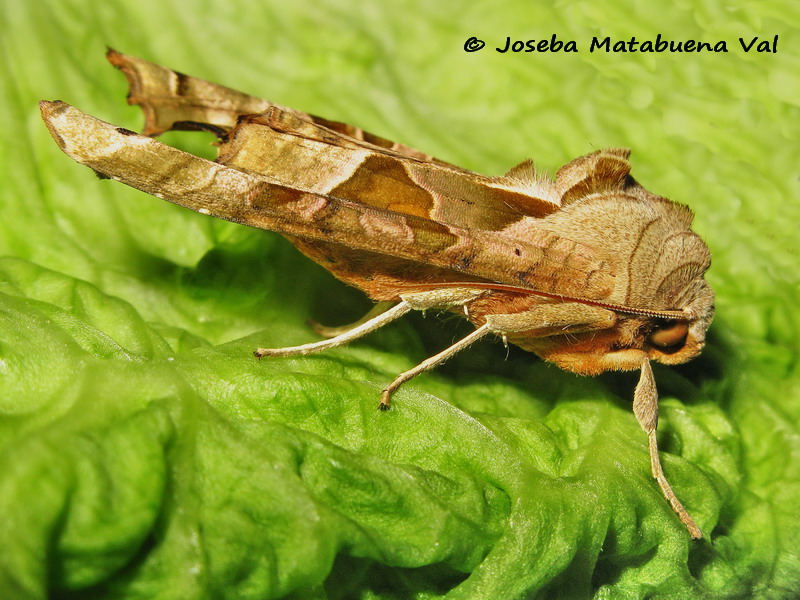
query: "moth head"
672, 338
675, 341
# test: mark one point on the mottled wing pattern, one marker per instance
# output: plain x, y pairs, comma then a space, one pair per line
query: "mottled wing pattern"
348, 162
419, 210
297, 152
169, 97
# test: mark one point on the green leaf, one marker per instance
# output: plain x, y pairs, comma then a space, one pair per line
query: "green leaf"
144, 453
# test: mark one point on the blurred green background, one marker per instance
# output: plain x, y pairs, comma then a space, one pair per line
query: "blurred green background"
144, 453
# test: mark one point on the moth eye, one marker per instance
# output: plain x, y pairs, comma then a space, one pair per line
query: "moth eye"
669, 334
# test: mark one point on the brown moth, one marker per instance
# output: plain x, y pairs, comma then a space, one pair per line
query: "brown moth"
590, 271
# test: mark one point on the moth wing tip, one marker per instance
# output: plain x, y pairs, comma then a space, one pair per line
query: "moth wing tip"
114, 57
45, 105
50, 109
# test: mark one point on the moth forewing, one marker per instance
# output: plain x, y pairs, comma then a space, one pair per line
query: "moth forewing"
589, 271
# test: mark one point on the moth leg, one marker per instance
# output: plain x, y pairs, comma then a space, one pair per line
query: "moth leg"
645, 407
351, 334
553, 319
546, 316
441, 298
332, 332
430, 363
437, 298
413, 301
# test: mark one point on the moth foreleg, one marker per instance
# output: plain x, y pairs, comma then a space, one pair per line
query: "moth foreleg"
348, 336
552, 319
430, 363
645, 407
441, 298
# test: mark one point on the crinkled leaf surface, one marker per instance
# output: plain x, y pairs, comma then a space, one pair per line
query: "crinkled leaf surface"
145, 454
